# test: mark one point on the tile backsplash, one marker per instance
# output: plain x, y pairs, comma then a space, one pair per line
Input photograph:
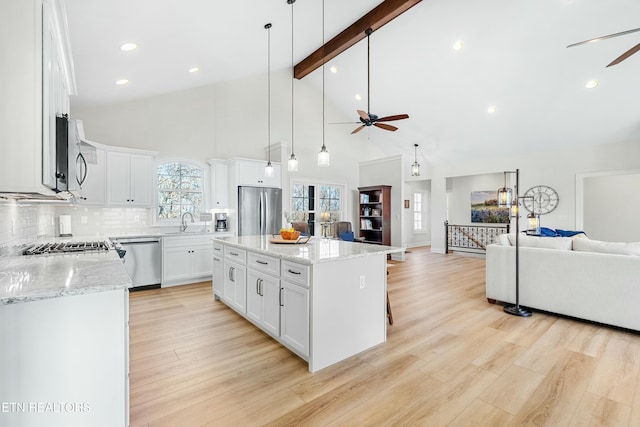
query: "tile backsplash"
22, 223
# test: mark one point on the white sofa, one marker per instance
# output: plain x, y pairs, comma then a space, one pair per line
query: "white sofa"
576, 277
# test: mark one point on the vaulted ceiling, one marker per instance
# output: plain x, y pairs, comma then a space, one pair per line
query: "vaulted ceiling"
514, 57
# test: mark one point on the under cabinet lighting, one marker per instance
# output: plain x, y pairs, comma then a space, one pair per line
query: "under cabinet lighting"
358, 97
194, 69
458, 45
122, 82
492, 109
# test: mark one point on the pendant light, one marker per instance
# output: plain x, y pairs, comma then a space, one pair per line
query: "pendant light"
268, 169
292, 164
415, 167
323, 155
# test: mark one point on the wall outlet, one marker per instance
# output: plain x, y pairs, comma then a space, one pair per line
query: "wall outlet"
362, 282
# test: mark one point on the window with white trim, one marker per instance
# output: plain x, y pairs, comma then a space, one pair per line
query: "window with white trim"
417, 211
309, 201
180, 187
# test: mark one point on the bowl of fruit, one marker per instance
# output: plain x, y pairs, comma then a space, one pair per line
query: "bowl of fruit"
289, 234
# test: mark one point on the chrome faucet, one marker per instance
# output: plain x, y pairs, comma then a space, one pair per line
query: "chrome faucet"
183, 227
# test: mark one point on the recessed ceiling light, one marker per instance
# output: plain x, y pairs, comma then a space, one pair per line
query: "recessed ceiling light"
358, 97
492, 109
122, 82
333, 69
591, 84
458, 45
194, 69
129, 46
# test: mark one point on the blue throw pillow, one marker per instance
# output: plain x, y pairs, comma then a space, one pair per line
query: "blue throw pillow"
347, 236
547, 232
568, 233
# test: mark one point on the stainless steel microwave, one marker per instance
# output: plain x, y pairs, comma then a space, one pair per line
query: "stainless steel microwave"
68, 162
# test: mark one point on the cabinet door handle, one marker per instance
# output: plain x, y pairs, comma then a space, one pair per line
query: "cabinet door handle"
216, 259
258, 286
233, 253
261, 287
293, 272
232, 275
281, 300
262, 262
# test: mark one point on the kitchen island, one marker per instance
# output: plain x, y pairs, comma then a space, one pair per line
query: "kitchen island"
64, 340
325, 300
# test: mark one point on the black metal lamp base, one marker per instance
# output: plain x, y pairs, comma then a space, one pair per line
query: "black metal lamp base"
516, 310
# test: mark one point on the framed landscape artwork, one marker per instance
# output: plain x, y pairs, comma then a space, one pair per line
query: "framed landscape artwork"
484, 208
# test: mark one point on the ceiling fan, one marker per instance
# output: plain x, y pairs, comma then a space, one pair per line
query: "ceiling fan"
620, 58
368, 119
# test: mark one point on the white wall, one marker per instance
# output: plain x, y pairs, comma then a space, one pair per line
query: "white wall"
611, 206
557, 169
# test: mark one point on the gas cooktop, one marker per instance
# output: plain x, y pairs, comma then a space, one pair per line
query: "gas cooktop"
66, 247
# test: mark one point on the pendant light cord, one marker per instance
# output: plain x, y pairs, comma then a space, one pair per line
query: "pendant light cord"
323, 62
268, 27
292, 77
369, 31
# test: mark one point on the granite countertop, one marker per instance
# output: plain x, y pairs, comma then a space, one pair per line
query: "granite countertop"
37, 277
315, 251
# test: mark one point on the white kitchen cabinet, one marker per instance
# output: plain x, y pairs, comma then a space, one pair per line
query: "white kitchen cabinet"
263, 292
93, 190
129, 179
70, 350
37, 75
251, 173
235, 286
186, 259
218, 271
294, 310
220, 184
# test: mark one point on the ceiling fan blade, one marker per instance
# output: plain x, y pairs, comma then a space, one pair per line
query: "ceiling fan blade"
392, 118
344, 123
625, 55
386, 127
358, 129
596, 39
362, 114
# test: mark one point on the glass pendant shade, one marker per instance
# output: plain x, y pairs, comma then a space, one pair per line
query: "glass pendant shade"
292, 164
268, 170
505, 197
323, 157
415, 167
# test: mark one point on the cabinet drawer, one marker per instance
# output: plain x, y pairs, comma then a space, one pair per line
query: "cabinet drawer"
236, 254
295, 273
218, 249
264, 263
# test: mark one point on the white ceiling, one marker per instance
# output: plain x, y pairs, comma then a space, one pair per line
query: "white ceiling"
514, 57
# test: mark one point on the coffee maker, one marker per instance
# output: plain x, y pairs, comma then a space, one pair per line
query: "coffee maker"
221, 222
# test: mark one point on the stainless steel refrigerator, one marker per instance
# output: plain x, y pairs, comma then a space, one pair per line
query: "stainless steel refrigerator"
259, 210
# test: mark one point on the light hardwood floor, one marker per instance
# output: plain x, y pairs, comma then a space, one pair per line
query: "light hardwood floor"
451, 359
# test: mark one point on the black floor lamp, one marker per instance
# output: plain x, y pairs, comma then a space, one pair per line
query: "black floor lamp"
506, 199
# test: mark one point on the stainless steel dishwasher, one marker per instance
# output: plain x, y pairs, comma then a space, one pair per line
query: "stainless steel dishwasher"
143, 260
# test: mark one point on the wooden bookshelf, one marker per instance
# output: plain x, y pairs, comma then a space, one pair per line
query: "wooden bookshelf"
375, 214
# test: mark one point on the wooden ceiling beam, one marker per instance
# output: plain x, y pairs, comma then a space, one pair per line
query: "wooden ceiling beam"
374, 19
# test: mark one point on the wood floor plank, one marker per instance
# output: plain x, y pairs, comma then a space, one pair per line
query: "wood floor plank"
451, 359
